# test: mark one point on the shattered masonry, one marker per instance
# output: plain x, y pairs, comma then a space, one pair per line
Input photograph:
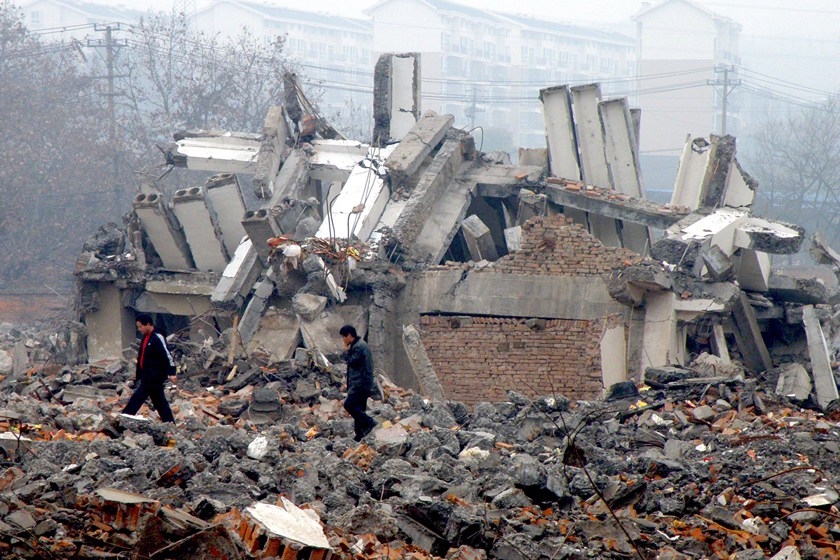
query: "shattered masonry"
516, 287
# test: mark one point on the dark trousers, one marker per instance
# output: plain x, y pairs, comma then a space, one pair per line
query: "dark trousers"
154, 391
356, 404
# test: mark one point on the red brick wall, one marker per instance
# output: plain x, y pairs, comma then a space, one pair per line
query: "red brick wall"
480, 358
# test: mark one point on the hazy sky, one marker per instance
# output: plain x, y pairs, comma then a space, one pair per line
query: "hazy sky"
791, 40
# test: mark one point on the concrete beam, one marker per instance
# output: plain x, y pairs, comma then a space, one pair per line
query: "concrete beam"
271, 153
163, 231
479, 240
396, 96
421, 366
423, 137
200, 229
434, 185
748, 335
824, 383
510, 295
600, 201
559, 132
225, 200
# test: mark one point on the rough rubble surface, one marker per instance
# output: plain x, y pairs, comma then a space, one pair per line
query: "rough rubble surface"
699, 467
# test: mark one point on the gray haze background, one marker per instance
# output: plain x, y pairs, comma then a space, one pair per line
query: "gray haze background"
794, 41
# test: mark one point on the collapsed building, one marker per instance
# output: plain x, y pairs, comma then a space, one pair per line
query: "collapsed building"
468, 274
471, 276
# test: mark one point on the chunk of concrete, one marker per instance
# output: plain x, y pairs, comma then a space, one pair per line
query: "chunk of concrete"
271, 153
794, 382
479, 239
308, 306
277, 336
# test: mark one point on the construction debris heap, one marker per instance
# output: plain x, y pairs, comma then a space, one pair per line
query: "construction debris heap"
567, 369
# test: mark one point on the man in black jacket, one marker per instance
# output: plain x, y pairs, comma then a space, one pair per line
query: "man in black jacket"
359, 380
154, 365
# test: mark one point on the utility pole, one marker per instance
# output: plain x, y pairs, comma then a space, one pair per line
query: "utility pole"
111, 46
727, 86
470, 111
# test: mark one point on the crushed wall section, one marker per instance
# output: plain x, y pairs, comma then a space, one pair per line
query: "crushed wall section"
480, 358
554, 245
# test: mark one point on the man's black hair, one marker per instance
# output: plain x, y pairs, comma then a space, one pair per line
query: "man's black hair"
144, 319
348, 329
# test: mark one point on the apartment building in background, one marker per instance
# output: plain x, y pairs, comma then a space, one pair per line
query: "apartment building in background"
687, 71
486, 68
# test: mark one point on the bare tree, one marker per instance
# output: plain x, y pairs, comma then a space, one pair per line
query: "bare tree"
55, 154
797, 163
174, 78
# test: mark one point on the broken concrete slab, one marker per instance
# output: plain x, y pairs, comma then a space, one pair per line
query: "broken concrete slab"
355, 212
809, 290
200, 228
238, 277
225, 200
322, 333
435, 209
215, 151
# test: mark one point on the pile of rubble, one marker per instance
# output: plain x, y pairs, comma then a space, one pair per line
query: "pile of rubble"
702, 463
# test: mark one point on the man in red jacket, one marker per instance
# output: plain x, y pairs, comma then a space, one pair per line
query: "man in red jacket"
154, 365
